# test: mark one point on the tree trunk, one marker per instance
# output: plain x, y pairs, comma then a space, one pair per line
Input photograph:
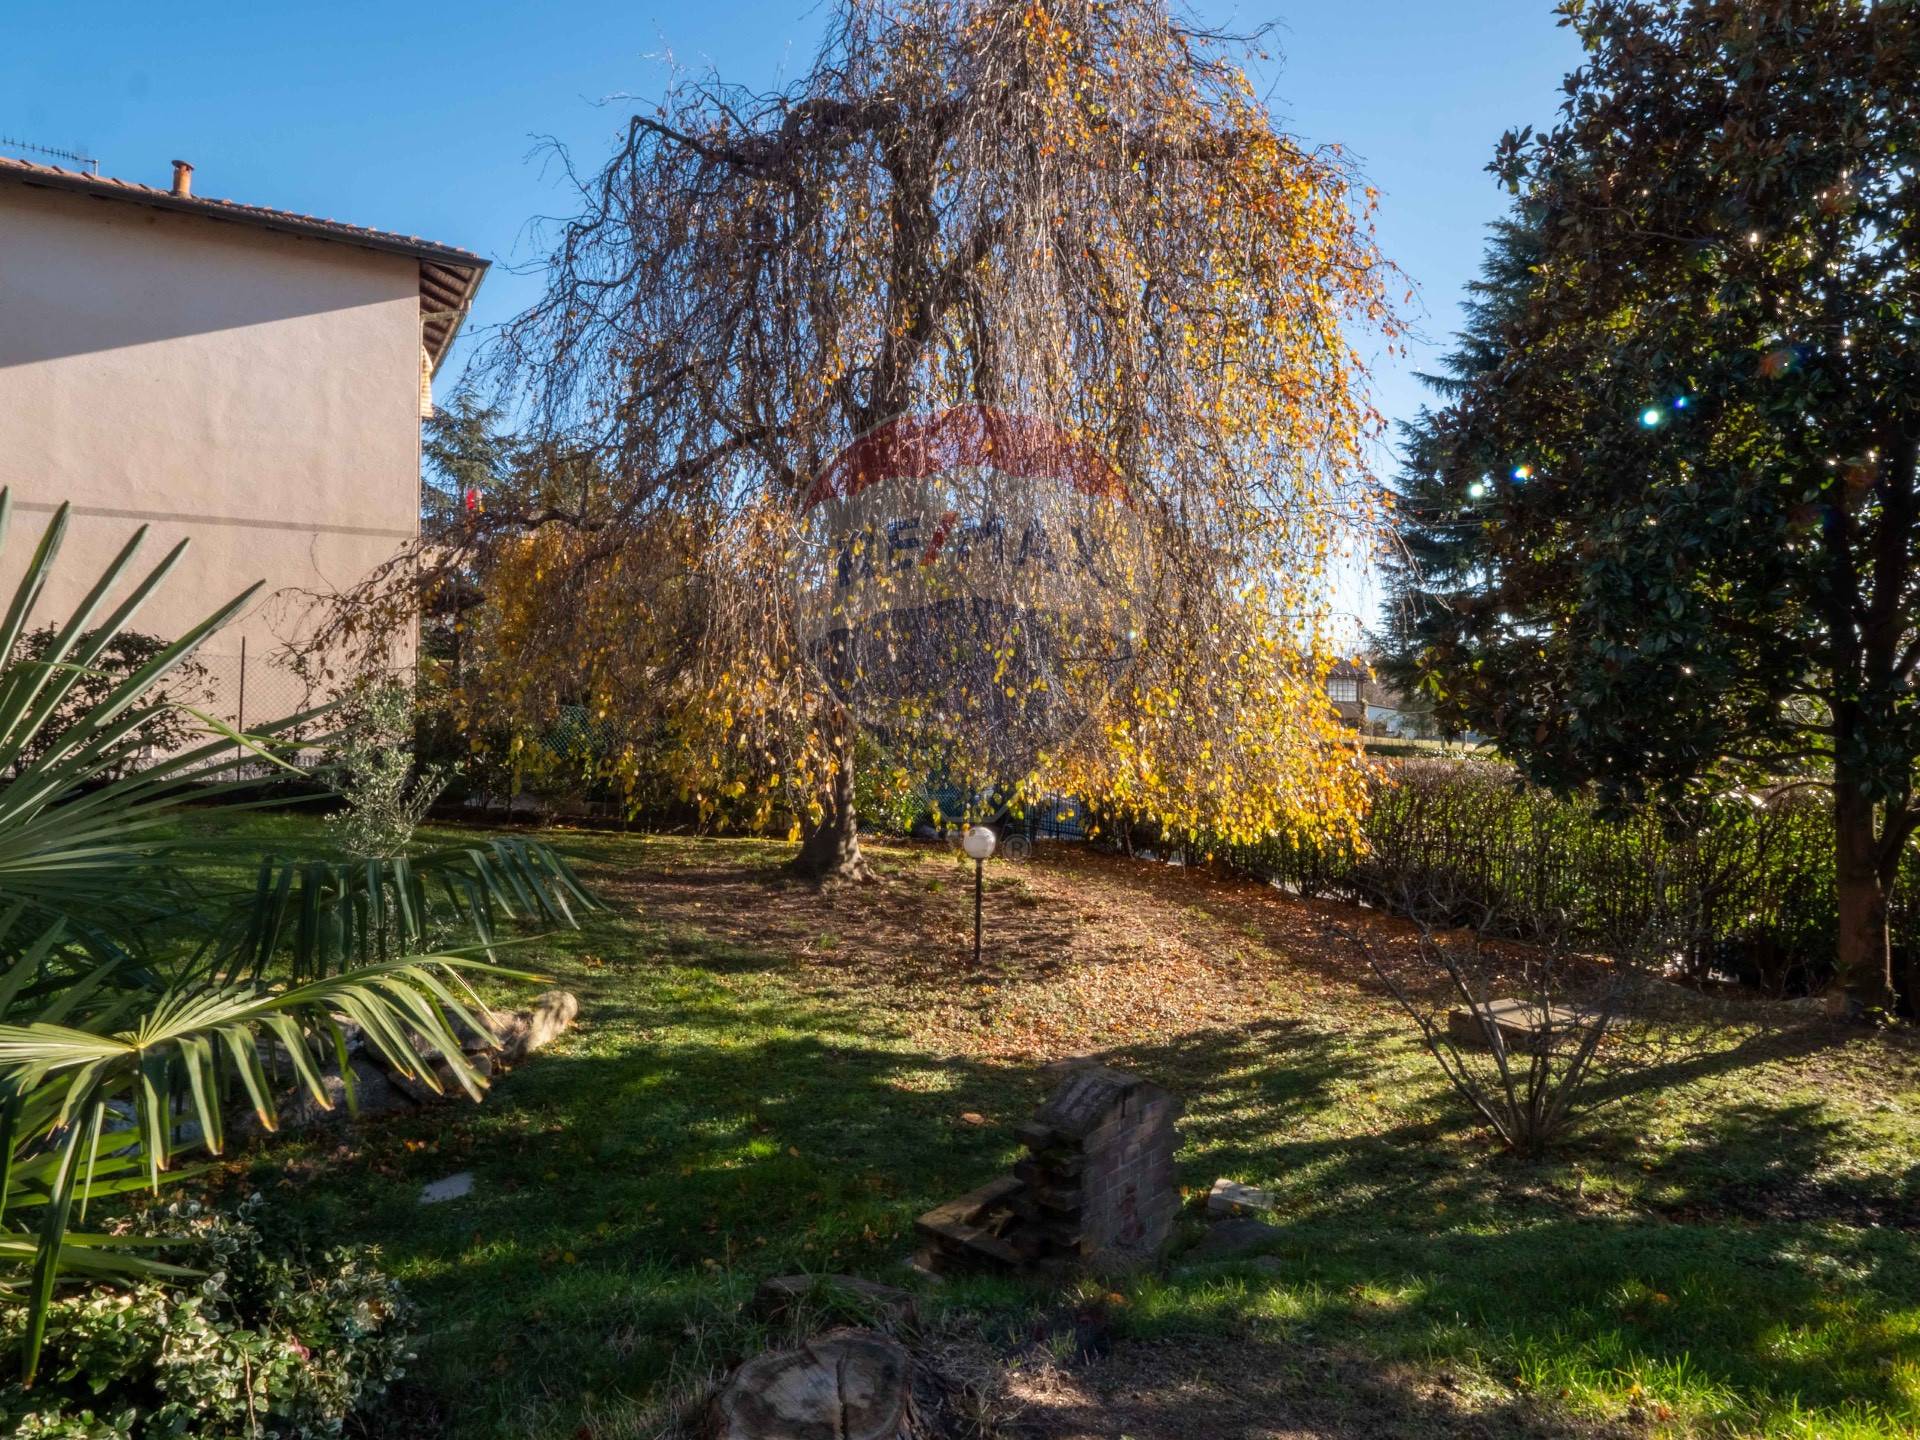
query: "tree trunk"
830, 848
1865, 952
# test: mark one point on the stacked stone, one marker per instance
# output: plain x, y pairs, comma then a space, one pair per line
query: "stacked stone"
1098, 1183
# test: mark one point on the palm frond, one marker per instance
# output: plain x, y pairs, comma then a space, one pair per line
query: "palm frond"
102, 1059
314, 918
173, 1062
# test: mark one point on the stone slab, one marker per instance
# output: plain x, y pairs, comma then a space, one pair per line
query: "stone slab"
1230, 1197
1525, 1028
454, 1187
968, 1208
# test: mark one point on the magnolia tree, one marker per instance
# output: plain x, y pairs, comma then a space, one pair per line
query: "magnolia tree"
987, 402
1671, 508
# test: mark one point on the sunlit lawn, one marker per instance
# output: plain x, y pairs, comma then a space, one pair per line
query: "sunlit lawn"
769, 1080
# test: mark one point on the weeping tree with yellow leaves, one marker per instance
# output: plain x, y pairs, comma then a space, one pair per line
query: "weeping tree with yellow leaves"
987, 399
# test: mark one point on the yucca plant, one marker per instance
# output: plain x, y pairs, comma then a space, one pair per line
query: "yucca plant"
78, 842
97, 1021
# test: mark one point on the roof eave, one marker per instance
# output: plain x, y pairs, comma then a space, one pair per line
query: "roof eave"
233, 214
440, 326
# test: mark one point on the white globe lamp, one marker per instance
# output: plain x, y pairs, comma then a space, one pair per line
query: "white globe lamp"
978, 842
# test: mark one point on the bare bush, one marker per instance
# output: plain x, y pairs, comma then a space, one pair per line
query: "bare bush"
1535, 1034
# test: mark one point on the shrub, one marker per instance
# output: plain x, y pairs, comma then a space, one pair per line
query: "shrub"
1536, 1036
92, 887
375, 773
274, 1341
165, 725
1743, 890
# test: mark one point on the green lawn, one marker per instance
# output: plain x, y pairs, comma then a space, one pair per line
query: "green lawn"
770, 1079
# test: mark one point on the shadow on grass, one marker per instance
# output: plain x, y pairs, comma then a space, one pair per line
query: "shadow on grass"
1759, 1047
1190, 1387
730, 1112
633, 1186
1787, 1162
1743, 1322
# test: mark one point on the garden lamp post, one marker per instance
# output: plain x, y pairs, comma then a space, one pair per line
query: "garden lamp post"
978, 842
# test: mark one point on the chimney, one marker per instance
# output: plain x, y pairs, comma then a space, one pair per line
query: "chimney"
182, 179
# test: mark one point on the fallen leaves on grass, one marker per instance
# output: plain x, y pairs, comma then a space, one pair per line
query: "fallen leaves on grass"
1086, 952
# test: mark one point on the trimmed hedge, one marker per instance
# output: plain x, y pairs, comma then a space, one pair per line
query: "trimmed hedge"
1746, 893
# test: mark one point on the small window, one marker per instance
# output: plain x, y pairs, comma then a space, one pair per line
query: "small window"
1343, 689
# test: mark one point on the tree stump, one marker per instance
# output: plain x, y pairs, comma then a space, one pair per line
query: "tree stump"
852, 1385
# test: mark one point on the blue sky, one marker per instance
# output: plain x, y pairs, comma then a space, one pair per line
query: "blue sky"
422, 118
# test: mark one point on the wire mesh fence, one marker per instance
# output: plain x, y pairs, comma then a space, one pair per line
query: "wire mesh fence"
247, 688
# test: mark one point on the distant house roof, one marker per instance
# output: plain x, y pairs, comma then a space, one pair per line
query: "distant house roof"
448, 276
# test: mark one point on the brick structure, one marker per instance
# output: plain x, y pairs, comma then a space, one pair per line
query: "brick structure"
1097, 1186
1099, 1179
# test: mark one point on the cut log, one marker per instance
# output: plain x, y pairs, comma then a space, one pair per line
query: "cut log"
852, 1385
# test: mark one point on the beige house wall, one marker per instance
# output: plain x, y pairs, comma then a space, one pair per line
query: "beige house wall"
257, 392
